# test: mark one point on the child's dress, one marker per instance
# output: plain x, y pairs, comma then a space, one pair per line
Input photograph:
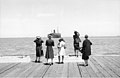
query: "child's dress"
58, 46
62, 48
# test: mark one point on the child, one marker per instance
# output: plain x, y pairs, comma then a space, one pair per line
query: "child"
61, 50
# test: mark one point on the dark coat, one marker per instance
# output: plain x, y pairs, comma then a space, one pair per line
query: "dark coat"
49, 49
86, 49
38, 47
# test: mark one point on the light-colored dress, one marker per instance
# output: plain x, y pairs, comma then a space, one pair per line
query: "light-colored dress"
62, 48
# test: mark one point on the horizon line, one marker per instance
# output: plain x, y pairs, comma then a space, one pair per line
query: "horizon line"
61, 37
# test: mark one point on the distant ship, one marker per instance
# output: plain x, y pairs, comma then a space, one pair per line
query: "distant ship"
55, 35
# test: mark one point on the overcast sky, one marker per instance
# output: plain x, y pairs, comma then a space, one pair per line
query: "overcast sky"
29, 18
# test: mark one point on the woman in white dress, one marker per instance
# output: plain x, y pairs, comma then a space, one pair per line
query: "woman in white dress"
61, 50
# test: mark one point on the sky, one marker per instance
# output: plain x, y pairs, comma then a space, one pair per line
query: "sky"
30, 18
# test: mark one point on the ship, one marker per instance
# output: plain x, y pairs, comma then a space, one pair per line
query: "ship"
55, 35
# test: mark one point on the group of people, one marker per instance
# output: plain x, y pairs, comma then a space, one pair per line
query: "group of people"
85, 49
49, 50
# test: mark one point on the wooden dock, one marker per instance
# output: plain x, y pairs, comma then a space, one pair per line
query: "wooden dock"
99, 66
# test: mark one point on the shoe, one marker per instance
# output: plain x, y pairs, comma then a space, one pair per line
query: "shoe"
58, 62
85, 64
35, 61
62, 62
38, 61
52, 63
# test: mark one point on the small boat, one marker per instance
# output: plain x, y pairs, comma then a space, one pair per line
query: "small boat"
55, 35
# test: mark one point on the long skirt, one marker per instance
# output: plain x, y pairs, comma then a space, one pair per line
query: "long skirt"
85, 57
38, 51
49, 52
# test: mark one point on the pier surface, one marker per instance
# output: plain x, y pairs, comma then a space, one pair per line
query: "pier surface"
99, 66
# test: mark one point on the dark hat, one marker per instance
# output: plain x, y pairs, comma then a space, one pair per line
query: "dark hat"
86, 36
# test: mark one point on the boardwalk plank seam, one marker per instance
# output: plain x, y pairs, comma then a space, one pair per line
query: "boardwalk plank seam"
112, 68
79, 70
108, 69
45, 72
99, 73
9, 68
112, 61
102, 67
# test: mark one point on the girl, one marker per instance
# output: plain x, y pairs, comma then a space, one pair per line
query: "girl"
61, 50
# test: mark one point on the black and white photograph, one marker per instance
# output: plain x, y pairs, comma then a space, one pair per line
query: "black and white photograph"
59, 38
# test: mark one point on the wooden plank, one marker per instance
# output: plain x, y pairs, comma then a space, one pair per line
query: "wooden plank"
112, 60
28, 71
22, 68
83, 71
4, 65
56, 70
102, 66
111, 66
8, 69
114, 67
91, 71
97, 66
16, 70
39, 71
116, 59
94, 68
73, 71
107, 68
65, 70
42, 71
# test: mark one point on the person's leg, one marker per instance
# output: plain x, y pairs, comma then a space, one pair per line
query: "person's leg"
86, 62
52, 61
36, 59
75, 51
62, 59
58, 59
47, 60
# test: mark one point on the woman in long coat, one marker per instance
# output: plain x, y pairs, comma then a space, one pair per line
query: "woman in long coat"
86, 50
38, 42
49, 49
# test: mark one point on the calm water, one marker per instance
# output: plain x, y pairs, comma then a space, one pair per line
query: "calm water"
26, 46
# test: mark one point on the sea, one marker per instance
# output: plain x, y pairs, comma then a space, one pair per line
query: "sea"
107, 45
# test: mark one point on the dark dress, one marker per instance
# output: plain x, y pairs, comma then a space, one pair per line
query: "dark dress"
86, 49
76, 42
49, 49
38, 47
